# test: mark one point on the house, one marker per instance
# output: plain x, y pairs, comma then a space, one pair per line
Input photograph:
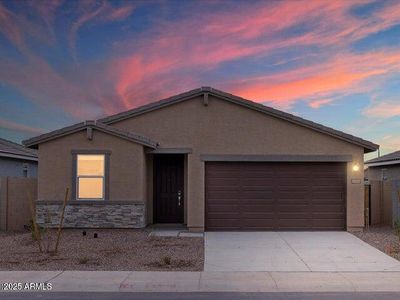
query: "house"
386, 167
18, 172
207, 159
383, 181
17, 160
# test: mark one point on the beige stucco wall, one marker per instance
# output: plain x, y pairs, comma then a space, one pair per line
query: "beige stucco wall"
127, 166
226, 128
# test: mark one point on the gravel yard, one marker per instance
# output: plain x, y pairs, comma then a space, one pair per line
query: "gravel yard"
114, 249
382, 238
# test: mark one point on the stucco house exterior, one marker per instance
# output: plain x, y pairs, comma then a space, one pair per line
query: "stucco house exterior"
207, 159
17, 160
385, 167
383, 182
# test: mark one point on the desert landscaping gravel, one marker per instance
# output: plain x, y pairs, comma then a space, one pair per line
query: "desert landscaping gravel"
114, 249
382, 238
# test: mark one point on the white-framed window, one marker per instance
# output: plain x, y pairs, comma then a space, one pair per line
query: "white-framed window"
90, 176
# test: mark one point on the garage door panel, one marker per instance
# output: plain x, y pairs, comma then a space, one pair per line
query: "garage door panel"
222, 194
322, 195
258, 203
257, 195
292, 223
223, 182
293, 215
328, 208
328, 215
263, 208
327, 183
257, 182
275, 196
230, 208
257, 216
293, 194
225, 218
328, 224
258, 224
294, 208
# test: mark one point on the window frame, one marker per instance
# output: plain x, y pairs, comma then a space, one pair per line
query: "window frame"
75, 177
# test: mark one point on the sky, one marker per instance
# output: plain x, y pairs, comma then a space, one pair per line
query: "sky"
333, 62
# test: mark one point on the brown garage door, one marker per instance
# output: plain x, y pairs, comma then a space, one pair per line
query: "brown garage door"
275, 196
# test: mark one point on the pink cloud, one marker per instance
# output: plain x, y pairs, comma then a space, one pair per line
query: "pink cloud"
342, 74
169, 57
119, 13
10, 29
104, 12
40, 83
318, 103
383, 109
20, 127
253, 31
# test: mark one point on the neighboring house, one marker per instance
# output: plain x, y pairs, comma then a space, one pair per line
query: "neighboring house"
383, 179
386, 167
17, 160
205, 158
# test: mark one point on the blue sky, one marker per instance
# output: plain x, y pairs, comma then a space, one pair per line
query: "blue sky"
333, 62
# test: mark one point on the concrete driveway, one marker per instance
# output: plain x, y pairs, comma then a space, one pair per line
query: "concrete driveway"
292, 252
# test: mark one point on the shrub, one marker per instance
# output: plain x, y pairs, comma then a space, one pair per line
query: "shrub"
31, 228
166, 260
396, 227
83, 260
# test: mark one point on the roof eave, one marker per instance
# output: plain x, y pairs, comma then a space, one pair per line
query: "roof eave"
366, 145
35, 141
18, 156
382, 163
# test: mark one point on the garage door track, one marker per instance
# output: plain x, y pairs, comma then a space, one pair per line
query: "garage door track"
293, 251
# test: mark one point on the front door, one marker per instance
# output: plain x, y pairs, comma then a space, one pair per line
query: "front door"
168, 188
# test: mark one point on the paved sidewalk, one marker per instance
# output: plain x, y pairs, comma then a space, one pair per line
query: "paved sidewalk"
113, 281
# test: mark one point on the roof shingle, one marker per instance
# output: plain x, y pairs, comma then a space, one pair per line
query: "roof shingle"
33, 142
368, 146
385, 158
10, 148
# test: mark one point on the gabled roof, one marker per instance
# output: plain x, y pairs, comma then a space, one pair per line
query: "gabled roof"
33, 142
388, 159
14, 150
368, 146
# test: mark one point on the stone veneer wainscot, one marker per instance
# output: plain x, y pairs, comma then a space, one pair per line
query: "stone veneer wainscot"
91, 215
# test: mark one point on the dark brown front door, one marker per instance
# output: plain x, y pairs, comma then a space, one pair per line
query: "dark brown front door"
168, 188
275, 196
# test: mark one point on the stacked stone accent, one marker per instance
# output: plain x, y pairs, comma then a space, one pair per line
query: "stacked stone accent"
104, 215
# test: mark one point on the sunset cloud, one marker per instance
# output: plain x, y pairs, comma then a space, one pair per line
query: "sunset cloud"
20, 127
93, 58
383, 109
96, 11
318, 103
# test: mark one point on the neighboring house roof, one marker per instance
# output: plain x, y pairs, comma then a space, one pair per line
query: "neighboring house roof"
368, 146
388, 159
14, 150
33, 142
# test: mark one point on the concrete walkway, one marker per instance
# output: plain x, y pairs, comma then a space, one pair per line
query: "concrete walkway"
105, 281
293, 252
